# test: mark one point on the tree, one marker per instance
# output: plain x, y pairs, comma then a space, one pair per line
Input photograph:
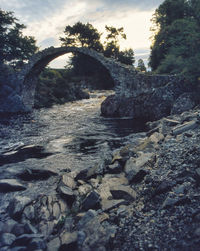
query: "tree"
176, 38
15, 48
141, 66
85, 35
82, 35
112, 46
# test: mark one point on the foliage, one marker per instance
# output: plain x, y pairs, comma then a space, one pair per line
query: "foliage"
82, 35
85, 35
141, 66
15, 48
55, 86
177, 38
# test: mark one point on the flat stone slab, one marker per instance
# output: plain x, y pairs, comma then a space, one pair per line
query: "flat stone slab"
185, 127
111, 204
123, 192
11, 185
68, 181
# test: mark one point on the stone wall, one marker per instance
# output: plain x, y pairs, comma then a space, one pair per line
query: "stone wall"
128, 82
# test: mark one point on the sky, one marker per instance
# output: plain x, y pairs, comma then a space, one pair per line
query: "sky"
46, 20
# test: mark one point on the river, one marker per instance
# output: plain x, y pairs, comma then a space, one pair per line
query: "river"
70, 136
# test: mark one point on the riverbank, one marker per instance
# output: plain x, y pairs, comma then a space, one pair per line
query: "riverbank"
142, 196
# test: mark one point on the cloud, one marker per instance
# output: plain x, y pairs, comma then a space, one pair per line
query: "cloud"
46, 19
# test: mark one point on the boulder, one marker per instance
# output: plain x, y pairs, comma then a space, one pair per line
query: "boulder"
184, 102
17, 205
136, 168
11, 185
67, 193
92, 201
185, 127
6, 239
123, 192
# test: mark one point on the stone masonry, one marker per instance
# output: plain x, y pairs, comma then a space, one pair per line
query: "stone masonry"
128, 81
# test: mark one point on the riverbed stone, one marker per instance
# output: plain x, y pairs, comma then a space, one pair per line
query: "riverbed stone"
7, 226
11, 185
30, 229
36, 174
25, 239
84, 189
92, 201
53, 244
68, 239
137, 168
68, 181
123, 192
18, 229
18, 249
17, 205
108, 205
36, 244
184, 127
67, 193
184, 102
6, 239
89, 215
56, 210
115, 168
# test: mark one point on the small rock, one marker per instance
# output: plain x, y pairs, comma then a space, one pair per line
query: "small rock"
18, 229
90, 214
82, 175
29, 229
68, 240
11, 185
17, 206
94, 183
7, 239
108, 205
54, 244
102, 217
197, 232
164, 187
115, 168
169, 202
68, 181
157, 137
123, 192
92, 201
56, 210
18, 249
25, 239
84, 189
171, 122
29, 212
134, 167
36, 174
36, 244
197, 171
8, 226
185, 127
67, 193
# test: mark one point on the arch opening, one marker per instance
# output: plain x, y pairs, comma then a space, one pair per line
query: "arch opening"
38, 63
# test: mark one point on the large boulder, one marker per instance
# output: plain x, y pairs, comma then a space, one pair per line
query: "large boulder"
152, 105
185, 102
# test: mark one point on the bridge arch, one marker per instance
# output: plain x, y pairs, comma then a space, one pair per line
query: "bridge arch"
29, 74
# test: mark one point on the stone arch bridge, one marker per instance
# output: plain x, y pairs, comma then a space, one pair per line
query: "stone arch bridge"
128, 82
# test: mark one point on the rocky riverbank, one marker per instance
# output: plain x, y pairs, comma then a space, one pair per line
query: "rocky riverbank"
144, 196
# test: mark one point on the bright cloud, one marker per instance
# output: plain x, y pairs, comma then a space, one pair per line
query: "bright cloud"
46, 20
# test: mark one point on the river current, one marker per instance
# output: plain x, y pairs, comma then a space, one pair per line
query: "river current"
69, 136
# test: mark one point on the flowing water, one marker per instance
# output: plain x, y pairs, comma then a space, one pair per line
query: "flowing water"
70, 136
